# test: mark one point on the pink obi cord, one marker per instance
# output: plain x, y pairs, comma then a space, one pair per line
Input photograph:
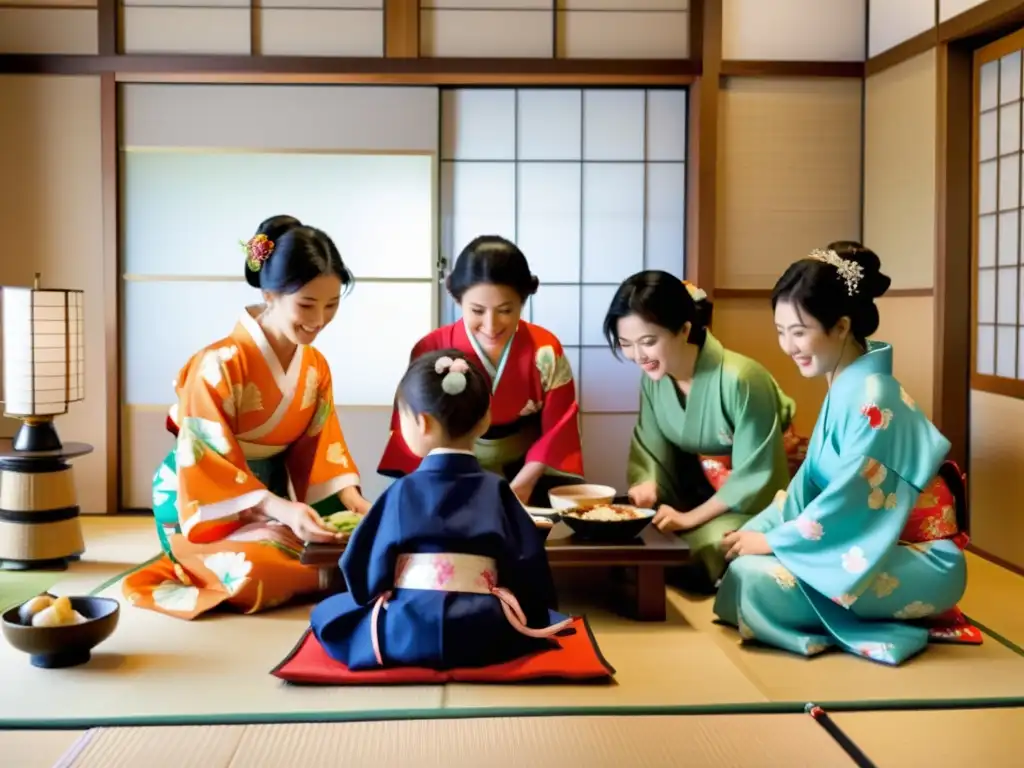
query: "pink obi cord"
456, 573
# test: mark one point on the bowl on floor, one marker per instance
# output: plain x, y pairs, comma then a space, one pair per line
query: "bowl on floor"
607, 523
63, 646
568, 496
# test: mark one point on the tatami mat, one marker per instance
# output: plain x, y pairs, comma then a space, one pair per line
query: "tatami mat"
994, 596
35, 749
158, 669
937, 739
943, 671
720, 741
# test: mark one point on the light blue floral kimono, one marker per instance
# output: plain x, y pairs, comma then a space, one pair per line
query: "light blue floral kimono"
839, 575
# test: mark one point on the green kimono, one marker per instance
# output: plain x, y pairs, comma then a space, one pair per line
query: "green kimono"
735, 408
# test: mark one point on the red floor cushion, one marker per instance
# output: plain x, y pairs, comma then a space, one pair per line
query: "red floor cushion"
577, 658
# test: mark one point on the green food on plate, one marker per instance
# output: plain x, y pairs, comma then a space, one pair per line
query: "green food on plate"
343, 522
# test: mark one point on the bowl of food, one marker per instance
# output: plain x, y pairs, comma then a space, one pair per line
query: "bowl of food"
59, 632
570, 496
607, 522
544, 523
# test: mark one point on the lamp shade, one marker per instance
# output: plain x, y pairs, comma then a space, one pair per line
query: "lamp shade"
43, 350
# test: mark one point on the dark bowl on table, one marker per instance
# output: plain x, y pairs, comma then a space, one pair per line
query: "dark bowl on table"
65, 646
545, 523
608, 531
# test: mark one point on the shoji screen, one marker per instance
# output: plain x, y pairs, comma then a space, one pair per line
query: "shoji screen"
591, 185
356, 162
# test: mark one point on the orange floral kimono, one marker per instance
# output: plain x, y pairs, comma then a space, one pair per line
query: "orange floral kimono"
245, 428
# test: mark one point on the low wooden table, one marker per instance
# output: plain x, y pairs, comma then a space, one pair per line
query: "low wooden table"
645, 560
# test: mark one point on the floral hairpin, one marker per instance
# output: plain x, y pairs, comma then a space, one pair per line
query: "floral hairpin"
257, 250
697, 294
454, 371
849, 271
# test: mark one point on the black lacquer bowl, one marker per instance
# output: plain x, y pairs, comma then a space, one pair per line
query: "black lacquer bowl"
608, 531
67, 646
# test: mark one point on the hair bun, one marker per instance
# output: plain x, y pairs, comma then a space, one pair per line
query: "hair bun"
874, 283
273, 229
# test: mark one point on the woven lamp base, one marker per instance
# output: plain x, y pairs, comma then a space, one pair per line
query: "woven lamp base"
40, 527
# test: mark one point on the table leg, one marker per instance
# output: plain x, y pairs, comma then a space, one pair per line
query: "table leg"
649, 597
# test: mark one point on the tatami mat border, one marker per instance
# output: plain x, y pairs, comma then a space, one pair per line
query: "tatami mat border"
472, 713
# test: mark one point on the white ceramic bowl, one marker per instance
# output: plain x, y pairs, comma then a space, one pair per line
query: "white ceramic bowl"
569, 496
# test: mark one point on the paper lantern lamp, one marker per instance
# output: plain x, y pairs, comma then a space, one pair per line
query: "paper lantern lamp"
43, 371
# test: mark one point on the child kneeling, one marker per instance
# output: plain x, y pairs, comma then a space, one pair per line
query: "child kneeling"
447, 569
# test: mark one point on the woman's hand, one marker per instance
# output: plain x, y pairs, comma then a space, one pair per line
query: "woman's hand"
354, 501
644, 495
669, 520
303, 521
739, 543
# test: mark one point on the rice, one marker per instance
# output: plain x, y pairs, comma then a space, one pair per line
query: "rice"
604, 514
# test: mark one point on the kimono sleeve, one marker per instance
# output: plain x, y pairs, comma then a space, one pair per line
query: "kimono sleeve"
837, 542
215, 484
758, 453
524, 569
798, 495
558, 446
368, 562
319, 463
651, 455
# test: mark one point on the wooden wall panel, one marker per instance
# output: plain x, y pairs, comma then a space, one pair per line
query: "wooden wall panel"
519, 33
220, 30
890, 22
899, 170
622, 29
50, 152
320, 32
997, 476
789, 164
793, 30
48, 30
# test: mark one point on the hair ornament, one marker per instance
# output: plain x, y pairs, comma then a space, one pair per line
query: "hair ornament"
849, 271
697, 294
257, 250
454, 372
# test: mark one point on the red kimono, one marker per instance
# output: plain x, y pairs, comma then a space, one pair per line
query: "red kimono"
534, 415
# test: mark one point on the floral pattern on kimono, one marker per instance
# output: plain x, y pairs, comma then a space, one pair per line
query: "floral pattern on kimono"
245, 427
839, 530
534, 411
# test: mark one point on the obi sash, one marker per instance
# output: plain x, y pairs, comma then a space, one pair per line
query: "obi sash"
934, 517
456, 572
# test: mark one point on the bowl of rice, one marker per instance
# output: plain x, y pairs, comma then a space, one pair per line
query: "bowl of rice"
607, 522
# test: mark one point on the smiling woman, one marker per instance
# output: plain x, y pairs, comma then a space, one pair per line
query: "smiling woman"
534, 439
865, 544
697, 400
258, 442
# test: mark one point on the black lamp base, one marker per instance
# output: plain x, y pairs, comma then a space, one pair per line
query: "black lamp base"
37, 435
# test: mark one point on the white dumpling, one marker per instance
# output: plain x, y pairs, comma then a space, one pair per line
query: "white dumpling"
29, 609
48, 617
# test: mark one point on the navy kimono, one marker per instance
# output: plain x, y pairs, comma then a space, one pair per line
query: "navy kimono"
428, 526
